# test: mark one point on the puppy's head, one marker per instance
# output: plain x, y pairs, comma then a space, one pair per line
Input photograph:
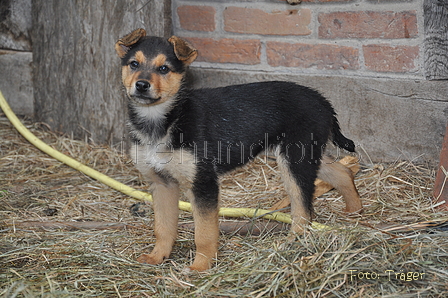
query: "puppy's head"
153, 68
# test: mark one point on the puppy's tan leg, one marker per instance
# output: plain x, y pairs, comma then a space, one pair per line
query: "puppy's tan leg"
206, 234
166, 212
204, 198
301, 217
342, 179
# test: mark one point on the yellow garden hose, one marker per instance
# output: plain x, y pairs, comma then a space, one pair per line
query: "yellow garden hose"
139, 195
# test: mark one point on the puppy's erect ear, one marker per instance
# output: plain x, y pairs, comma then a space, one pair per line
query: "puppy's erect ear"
183, 50
123, 45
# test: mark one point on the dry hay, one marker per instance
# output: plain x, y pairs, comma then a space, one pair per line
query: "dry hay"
42, 262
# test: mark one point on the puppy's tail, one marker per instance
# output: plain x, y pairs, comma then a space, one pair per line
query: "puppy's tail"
339, 139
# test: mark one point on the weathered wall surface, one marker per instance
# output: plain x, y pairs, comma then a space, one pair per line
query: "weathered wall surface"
388, 119
383, 63
77, 77
368, 57
58, 64
16, 56
334, 37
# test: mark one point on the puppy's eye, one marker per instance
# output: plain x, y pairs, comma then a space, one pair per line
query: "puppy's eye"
134, 64
164, 69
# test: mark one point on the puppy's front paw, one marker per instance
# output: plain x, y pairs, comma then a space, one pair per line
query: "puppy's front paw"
152, 259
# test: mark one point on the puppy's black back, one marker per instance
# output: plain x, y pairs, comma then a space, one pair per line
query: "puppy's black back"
231, 125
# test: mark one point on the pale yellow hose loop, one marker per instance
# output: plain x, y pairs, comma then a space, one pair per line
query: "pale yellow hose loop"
136, 194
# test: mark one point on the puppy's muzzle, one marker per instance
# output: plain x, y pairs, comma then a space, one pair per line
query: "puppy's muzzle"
141, 93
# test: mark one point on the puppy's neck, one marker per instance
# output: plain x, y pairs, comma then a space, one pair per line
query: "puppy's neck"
149, 124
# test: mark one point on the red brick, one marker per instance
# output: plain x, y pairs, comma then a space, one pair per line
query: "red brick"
324, 1
368, 24
322, 56
197, 18
227, 50
257, 21
385, 58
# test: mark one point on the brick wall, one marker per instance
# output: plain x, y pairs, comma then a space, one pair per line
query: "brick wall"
380, 38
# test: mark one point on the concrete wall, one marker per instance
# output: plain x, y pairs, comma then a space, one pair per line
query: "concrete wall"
16, 56
388, 119
367, 57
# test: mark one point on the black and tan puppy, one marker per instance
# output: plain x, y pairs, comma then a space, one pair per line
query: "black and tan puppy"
185, 139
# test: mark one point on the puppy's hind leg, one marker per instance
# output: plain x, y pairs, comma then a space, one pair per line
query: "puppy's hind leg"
342, 179
166, 200
300, 189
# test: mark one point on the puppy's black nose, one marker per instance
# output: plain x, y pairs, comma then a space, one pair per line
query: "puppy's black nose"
142, 86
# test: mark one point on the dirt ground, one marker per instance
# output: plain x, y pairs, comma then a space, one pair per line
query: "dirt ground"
91, 251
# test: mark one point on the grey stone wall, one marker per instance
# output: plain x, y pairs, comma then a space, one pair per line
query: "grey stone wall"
16, 56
